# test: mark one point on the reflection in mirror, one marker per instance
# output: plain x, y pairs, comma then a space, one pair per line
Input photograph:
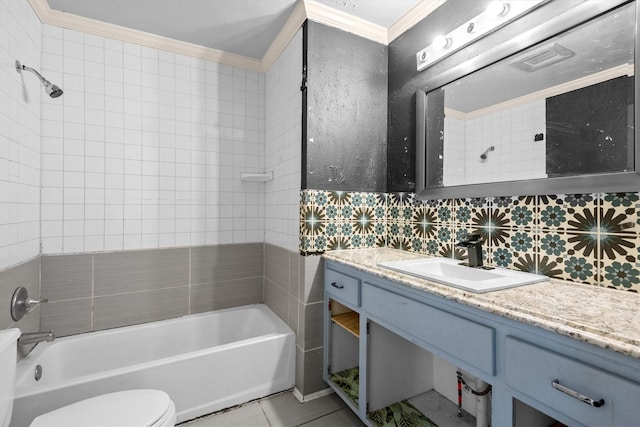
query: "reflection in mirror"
561, 108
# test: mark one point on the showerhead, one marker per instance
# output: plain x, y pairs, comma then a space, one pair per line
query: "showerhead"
52, 90
483, 156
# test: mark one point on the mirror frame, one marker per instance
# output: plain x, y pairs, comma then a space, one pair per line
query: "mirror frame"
554, 24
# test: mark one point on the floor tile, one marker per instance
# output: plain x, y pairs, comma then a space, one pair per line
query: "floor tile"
341, 418
284, 410
250, 415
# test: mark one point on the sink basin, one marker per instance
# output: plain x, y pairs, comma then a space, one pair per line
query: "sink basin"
448, 272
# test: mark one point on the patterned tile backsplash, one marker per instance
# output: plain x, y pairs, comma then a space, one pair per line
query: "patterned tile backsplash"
586, 238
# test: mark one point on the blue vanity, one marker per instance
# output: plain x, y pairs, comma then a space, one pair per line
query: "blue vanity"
565, 352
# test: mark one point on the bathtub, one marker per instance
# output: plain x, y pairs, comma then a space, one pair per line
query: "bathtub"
205, 362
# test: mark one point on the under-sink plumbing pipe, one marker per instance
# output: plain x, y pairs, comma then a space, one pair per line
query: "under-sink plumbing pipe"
459, 375
483, 409
483, 414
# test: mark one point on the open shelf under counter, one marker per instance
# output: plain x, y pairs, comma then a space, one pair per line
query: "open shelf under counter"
349, 321
429, 409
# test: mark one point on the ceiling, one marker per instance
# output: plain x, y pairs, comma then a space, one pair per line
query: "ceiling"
242, 27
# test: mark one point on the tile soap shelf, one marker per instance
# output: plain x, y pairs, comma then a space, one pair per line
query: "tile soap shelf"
257, 177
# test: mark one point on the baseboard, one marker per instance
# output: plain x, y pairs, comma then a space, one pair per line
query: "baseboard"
306, 398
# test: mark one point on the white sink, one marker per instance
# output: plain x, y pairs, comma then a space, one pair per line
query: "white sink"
448, 272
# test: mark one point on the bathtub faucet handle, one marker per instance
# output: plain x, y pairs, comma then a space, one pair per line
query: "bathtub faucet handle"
21, 303
30, 302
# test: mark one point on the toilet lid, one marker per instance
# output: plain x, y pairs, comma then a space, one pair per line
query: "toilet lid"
131, 408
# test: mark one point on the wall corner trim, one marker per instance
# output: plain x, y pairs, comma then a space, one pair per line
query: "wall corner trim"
286, 34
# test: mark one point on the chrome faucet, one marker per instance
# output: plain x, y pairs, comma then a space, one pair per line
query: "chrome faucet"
36, 337
473, 244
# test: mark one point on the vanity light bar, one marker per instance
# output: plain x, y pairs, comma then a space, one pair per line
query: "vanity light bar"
496, 14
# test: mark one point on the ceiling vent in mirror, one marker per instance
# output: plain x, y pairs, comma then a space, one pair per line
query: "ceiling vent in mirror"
542, 57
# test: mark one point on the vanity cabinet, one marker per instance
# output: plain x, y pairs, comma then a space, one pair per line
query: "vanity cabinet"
584, 393
450, 335
397, 331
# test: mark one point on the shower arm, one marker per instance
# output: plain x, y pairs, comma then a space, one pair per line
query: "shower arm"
20, 67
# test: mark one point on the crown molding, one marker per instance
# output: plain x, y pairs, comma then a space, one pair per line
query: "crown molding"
41, 8
288, 31
412, 17
117, 32
323, 14
304, 9
99, 28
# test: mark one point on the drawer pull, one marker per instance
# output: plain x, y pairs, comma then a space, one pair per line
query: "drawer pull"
337, 285
581, 397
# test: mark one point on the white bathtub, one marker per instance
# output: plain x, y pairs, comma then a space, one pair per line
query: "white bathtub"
205, 362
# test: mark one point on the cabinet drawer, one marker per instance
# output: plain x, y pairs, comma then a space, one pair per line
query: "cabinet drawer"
532, 370
344, 287
461, 338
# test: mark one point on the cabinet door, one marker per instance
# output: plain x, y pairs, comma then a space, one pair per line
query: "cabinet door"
558, 382
342, 363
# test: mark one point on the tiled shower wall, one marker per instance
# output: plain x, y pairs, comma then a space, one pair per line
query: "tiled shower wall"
516, 155
146, 147
587, 238
90, 292
283, 150
20, 39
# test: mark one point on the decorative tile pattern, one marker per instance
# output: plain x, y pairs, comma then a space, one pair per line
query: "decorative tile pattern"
332, 220
586, 238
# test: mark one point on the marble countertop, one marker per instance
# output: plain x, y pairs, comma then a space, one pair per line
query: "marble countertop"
604, 317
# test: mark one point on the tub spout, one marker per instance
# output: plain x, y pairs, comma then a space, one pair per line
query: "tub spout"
36, 337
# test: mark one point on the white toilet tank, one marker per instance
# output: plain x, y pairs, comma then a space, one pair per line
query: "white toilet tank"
8, 352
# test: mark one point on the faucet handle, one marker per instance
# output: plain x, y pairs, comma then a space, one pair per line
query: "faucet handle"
30, 302
21, 303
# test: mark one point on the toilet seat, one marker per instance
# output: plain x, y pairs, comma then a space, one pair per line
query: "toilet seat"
131, 408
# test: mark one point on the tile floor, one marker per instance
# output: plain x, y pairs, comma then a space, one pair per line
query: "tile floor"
283, 410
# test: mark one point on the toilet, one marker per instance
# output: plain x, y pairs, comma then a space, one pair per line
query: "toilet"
130, 408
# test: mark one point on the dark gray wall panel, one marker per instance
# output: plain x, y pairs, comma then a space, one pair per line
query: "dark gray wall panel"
346, 111
129, 287
226, 262
143, 270
404, 80
113, 311
68, 317
66, 277
225, 294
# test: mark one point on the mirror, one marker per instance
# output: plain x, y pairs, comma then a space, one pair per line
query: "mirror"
555, 117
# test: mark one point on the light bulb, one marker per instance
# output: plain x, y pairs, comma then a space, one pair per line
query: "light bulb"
498, 8
442, 42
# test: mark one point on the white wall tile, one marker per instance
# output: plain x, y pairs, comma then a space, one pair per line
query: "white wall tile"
283, 146
20, 115
515, 152
131, 152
